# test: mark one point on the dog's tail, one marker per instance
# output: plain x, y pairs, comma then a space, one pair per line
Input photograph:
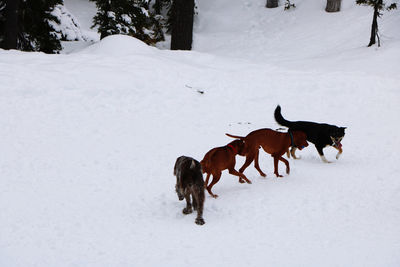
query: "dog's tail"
205, 165
279, 119
235, 136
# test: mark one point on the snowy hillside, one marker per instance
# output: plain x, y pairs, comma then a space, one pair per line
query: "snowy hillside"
89, 139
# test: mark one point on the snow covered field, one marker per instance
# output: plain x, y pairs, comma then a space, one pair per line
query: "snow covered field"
89, 139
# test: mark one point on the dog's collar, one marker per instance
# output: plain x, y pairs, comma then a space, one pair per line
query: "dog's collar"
291, 139
234, 150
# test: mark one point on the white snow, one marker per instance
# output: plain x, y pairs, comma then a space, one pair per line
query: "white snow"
89, 140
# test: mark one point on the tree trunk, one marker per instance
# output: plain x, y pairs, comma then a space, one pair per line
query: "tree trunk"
182, 24
272, 3
11, 24
374, 27
333, 5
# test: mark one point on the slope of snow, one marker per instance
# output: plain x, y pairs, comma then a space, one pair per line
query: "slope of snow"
89, 140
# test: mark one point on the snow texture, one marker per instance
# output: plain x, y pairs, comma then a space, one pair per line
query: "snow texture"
89, 139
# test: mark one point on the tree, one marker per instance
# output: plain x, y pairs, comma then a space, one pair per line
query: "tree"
289, 5
272, 3
158, 5
129, 17
27, 25
163, 13
10, 24
182, 16
333, 5
69, 29
378, 6
37, 33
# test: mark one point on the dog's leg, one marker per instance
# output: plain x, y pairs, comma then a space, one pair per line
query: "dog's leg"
292, 152
241, 175
339, 153
198, 197
288, 153
194, 199
256, 165
241, 180
321, 153
215, 179
249, 160
276, 161
286, 163
206, 182
188, 208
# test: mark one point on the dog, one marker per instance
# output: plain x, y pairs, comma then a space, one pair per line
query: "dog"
274, 143
320, 134
221, 158
189, 182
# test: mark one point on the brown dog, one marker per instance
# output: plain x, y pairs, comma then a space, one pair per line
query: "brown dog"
221, 158
274, 143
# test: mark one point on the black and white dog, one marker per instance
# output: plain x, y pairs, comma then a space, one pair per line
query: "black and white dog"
320, 134
189, 182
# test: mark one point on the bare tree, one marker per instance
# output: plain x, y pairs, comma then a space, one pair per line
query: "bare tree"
378, 6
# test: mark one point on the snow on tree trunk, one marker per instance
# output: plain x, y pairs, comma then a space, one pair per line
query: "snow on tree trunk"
182, 24
333, 5
272, 3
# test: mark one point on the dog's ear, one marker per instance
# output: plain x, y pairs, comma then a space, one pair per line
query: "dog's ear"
193, 164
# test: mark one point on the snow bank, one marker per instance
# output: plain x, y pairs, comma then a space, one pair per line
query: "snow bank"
89, 141
119, 45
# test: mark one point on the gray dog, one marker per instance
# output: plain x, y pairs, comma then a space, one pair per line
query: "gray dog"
189, 182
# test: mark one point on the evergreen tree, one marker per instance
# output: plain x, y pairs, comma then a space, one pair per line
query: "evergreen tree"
378, 6
37, 34
129, 17
30, 23
158, 6
289, 5
163, 12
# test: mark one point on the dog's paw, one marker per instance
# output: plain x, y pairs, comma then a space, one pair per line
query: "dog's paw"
338, 155
324, 159
249, 182
199, 221
187, 210
214, 195
241, 181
